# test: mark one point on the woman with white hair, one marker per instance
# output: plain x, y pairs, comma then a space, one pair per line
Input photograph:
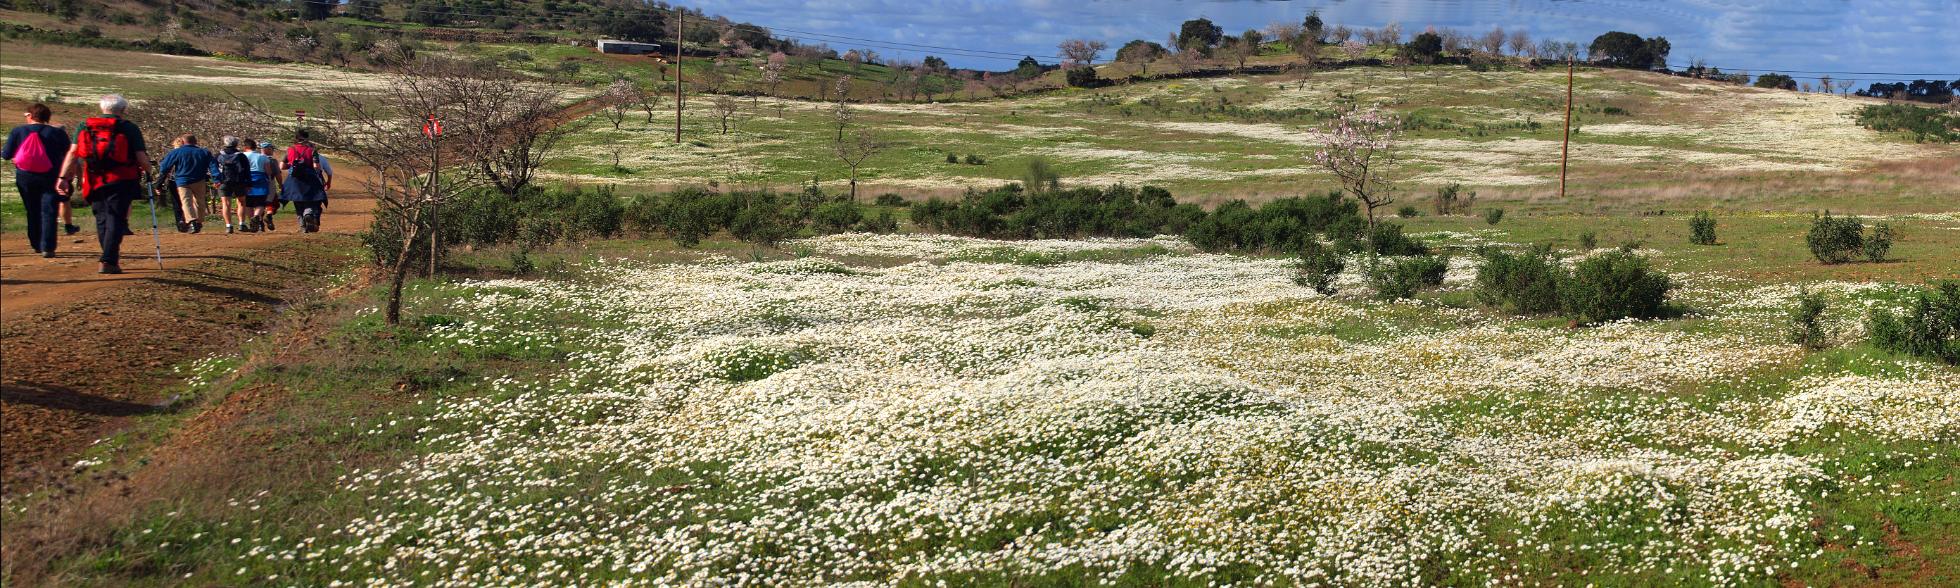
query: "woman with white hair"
108, 159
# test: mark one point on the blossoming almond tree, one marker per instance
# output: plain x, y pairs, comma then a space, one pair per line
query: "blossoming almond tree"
1356, 149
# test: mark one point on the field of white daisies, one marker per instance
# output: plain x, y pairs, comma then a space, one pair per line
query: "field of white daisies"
1142, 415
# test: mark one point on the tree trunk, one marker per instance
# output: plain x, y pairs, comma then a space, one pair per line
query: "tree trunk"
400, 274
854, 185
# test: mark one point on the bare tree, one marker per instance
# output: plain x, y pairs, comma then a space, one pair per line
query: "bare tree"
649, 101
388, 132
1341, 34
1356, 148
853, 152
1492, 42
204, 115
1354, 49
1284, 32
725, 107
1391, 34
512, 126
714, 76
1244, 47
1082, 51
1520, 42
617, 98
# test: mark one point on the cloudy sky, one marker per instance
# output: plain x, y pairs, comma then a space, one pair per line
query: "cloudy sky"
1881, 36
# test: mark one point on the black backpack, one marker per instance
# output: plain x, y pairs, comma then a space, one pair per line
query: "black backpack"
234, 168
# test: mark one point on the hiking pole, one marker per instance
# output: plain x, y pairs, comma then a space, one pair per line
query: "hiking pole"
155, 235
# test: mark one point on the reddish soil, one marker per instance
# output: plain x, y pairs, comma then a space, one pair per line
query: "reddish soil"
81, 352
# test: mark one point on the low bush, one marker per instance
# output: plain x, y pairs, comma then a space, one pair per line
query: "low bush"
883, 223
1494, 215
1879, 242
836, 217
1521, 283
1388, 239
972, 159
1807, 320
1613, 286
1930, 328
1701, 229
1408, 212
1835, 239
1317, 267
1452, 199
951, 158
890, 200
1588, 241
1924, 124
1397, 278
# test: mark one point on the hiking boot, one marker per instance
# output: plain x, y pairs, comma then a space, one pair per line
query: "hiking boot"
72, 229
183, 227
227, 228
197, 227
109, 268
47, 254
268, 223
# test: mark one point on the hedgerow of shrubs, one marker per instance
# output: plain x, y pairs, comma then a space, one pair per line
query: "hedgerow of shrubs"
1606, 287
1930, 328
1925, 124
1008, 212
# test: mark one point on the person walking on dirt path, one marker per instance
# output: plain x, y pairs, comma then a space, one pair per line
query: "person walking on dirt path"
307, 179
190, 167
233, 175
35, 149
108, 160
265, 175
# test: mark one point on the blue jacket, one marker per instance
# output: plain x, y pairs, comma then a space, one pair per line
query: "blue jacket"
188, 164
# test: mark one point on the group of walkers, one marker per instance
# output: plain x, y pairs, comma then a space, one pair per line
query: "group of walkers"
108, 160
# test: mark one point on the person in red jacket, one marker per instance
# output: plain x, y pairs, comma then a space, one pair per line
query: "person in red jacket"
108, 162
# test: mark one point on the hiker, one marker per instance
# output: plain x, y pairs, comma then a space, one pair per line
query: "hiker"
265, 175
190, 167
35, 149
307, 179
108, 159
232, 172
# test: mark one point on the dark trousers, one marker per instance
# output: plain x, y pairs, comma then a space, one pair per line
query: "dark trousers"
111, 206
43, 211
313, 209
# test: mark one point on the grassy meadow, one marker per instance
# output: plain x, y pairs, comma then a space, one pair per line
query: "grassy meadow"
917, 409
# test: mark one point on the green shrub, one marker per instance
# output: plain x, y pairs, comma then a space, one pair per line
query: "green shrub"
1835, 239
891, 200
1493, 215
1701, 229
973, 159
598, 213
1388, 239
1924, 124
951, 158
1399, 278
1040, 177
1407, 212
884, 223
1082, 77
763, 222
1806, 320
1929, 329
836, 217
1452, 199
1879, 243
1613, 286
1588, 241
1522, 283
520, 263
1317, 266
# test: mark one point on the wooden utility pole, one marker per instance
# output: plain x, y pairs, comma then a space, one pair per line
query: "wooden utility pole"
678, 16
1565, 151
435, 190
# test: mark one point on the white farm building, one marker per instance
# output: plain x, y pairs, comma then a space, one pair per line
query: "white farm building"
626, 47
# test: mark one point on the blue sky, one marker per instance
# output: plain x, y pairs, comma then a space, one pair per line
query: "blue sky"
1893, 36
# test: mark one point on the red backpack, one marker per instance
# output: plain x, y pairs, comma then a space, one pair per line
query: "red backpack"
104, 151
32, 156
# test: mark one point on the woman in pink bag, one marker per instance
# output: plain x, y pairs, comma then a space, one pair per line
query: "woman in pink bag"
36, 150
